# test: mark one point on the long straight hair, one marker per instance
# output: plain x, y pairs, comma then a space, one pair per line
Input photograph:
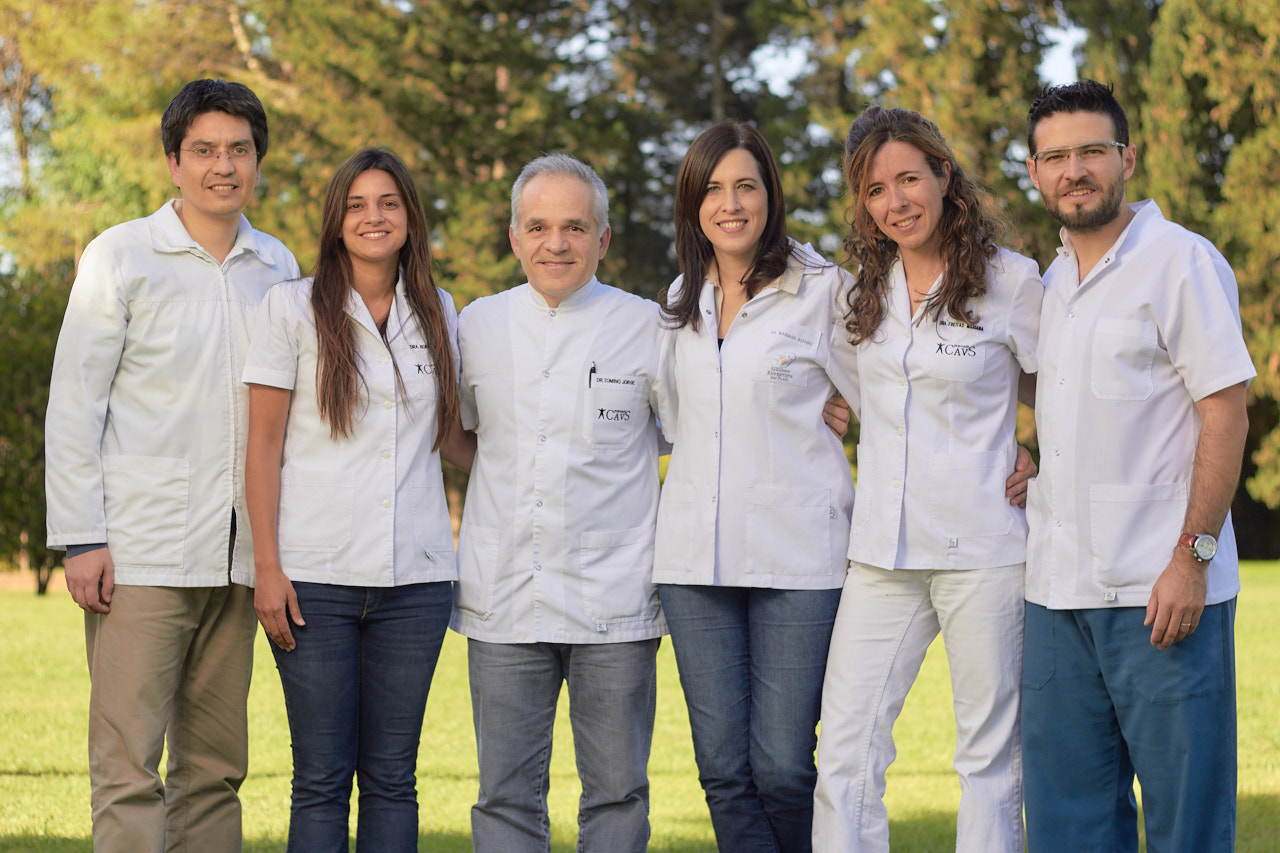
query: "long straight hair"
338, 379
693, 250
967, 227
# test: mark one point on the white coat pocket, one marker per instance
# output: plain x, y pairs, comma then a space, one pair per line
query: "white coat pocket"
616, 409
316, 507
432, 527
478, 552
1121, 359
789, 530
1122, 559
960, 360
678, 529
145, 498
616, 573
788, 356
966, 493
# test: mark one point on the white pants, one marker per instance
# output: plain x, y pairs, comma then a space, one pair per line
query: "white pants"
886, 621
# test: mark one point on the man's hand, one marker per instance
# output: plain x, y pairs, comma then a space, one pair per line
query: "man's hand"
1177, 600
276, 603
1015, 488
836, 414
91, 579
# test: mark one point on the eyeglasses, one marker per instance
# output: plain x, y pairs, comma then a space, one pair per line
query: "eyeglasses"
207, 154
1089, 154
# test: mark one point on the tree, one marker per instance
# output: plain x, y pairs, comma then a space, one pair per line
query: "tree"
1212, 159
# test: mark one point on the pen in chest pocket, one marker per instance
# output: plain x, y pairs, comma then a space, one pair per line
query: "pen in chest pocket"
591, 374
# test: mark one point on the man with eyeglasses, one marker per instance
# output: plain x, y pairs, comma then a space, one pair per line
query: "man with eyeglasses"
1132, 575
144, 457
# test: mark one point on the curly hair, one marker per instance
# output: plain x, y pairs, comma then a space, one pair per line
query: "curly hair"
693, 249
968, 228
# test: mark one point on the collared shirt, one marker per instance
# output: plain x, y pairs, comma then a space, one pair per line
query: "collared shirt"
1124, 356
368, 509
557, 534
758, 492
144, 437
939, 408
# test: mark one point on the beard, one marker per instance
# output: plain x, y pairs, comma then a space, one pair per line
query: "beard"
1084, 220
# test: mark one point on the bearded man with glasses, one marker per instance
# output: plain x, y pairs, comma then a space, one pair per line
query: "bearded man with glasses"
1132, 573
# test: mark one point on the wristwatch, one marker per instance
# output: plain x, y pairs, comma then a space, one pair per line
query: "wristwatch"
1202, 545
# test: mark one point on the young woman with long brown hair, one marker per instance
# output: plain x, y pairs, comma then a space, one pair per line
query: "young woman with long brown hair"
353, 378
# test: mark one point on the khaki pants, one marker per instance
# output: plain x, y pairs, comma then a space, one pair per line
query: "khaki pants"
169, 662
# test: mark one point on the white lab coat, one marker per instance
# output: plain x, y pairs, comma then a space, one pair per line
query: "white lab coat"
939, 408
1124, 356
144, 437
758, 492
557, 533
368, 509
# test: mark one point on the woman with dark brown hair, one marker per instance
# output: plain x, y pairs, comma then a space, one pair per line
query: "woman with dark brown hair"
945, 324
353, 399
753, 523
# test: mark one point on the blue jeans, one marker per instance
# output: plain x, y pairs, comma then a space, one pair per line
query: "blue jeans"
751, 663
1101, 704
612, 692
355, 690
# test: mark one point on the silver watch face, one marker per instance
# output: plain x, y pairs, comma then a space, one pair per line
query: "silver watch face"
1204, 547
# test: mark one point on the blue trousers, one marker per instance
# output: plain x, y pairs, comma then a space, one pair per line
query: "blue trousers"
355, 689
1100, 705
751, 664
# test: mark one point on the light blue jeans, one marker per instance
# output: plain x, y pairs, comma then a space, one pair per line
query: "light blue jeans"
1101, 704
612, 694
751, 664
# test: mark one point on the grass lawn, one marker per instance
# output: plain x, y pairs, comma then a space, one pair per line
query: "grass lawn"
44, 786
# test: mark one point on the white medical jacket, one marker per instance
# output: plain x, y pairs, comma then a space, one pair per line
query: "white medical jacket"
557, 533
1124, 356
145, 431
758, 491
368, 509
939, 408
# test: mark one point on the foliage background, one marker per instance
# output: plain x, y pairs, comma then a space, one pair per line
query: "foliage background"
468, 90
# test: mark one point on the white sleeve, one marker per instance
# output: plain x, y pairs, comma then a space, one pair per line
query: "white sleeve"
1022, 329
466, 392
88, 354
272, 358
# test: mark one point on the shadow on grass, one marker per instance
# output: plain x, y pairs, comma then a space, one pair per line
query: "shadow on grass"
1258, 828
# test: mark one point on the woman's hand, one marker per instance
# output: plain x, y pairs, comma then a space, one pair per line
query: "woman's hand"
1015, 488
276, 603
836, 415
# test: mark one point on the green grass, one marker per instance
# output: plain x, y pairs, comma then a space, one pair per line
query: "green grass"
44, 786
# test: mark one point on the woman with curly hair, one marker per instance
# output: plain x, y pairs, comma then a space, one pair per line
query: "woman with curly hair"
945, 324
